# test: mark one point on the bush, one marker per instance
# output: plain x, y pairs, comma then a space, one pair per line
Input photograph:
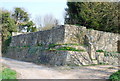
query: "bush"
115, 76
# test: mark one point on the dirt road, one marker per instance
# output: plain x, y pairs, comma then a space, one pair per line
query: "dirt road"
28, 70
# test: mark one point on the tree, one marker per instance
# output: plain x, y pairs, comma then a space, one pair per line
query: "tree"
49, 20
21, 17
8, 26
31, 27
97, 15
22, 20
46, 22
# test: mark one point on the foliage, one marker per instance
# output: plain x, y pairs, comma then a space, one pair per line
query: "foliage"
115, 76
7, 22
8, 74
8, 26
97, 15
69, 49
31, 27
107, 54
51, 47
21, 18
99, 51
5, 44
68, 44
112, 54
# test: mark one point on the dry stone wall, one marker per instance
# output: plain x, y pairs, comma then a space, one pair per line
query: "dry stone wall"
46, 47
56, 35
99, 39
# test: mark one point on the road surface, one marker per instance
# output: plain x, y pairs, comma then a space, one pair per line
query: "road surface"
28, 70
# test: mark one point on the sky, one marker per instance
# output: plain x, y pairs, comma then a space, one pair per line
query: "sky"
37, 7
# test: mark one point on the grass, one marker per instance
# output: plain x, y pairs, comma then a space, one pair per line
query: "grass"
66, 49
115, 76
96, 64
50, 45
111, 67
53, 45
106, 53
99, 51
70, 49
8, 74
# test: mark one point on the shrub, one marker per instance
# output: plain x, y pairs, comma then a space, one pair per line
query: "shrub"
115, 76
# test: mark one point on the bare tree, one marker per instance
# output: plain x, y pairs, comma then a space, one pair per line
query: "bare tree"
50, 20
38, 21
46, 22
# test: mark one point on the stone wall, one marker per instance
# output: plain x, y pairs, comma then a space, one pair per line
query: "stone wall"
18, 33
36, 47
99, 39
55, 35
95, 40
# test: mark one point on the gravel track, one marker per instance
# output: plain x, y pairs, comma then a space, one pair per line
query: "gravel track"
28, 70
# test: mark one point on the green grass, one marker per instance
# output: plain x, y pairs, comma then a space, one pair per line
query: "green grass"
96, 64
99, 51
115, 76
8, 74
50, 45
53, 45
70, 49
